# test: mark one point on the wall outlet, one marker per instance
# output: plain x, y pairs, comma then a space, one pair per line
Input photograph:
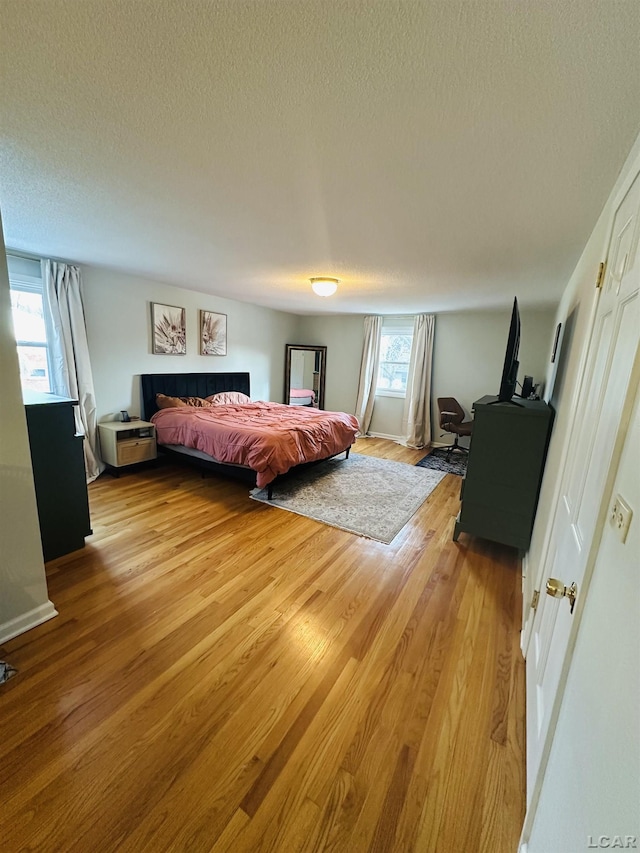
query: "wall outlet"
620, 517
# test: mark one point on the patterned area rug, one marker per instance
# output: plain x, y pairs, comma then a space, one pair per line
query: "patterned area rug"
364, 495
437, 461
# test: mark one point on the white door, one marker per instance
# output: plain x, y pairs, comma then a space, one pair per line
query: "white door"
604, 390
590, 795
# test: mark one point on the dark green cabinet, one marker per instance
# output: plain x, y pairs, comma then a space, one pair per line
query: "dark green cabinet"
506, 462
57, 458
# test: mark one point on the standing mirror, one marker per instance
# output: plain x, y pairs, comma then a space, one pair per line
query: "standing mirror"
304, 375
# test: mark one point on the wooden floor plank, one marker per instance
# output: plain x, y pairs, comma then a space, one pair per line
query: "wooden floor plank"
227, 676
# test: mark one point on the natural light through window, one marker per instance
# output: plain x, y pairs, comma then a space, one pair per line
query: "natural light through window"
31, 337
395, 354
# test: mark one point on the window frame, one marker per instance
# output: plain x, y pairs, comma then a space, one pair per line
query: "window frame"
30, 284
395, 326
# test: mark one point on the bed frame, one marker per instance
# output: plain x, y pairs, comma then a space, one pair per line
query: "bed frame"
195, 385
189, 385
203, 385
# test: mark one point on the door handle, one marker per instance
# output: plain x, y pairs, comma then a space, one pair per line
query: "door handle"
556, 589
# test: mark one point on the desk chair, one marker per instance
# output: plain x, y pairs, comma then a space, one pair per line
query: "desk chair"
452, 420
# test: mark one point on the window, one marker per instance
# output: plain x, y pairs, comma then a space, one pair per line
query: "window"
395, 354
30, 329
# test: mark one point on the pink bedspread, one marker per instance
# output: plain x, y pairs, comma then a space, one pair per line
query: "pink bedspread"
269, 438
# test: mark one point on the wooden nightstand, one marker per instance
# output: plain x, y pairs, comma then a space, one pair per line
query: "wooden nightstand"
125, 444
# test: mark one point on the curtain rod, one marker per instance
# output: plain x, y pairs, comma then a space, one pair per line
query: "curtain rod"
12, 253
29, 256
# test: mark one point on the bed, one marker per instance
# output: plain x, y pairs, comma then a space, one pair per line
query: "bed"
301, 397
255, 441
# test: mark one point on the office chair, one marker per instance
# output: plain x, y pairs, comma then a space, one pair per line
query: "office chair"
452, 420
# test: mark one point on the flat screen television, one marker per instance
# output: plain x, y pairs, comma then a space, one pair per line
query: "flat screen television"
510, 368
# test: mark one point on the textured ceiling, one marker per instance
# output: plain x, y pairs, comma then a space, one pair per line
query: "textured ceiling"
431, 155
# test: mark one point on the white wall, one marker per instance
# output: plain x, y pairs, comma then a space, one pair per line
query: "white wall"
468, 354
388, 416
24, 601
469, 348
343, 336
118, 313
467, 361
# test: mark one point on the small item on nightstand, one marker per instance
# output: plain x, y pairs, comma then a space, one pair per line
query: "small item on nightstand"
134, 417
125, 416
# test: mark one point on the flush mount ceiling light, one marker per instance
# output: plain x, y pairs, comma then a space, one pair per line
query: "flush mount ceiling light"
324, 286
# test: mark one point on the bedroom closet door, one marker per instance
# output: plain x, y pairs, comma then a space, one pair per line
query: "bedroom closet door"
601, 421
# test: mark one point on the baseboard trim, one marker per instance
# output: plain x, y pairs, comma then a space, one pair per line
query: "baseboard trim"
398, 438
525, 567
401, 439
20, 624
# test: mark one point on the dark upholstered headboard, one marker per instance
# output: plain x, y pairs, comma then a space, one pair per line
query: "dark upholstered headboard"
188, 385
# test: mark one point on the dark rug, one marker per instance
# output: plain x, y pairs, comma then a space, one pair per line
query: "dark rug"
437, 459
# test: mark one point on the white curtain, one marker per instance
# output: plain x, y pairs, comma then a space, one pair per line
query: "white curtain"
69, 363
368, 372
418, 400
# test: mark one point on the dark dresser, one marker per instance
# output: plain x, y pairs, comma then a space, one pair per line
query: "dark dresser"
58, 472
506, 461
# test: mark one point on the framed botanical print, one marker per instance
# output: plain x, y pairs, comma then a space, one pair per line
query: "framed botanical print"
168, 329
213, 333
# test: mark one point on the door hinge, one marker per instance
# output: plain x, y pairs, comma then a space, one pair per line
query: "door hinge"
535, 598
600, 278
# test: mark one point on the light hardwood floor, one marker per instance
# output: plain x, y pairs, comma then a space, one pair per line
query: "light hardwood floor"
225, 676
